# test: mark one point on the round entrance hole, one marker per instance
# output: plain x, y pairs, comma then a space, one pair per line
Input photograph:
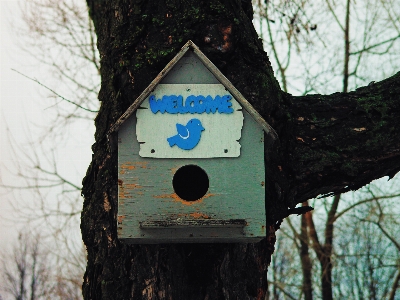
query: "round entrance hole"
190, 182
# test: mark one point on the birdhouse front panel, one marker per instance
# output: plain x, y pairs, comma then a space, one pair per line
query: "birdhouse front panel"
191, 159
191, 200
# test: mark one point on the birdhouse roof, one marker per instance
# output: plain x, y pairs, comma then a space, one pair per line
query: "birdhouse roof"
215, 71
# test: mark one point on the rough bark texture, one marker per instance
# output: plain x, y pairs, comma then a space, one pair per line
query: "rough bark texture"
327, 144
343, 141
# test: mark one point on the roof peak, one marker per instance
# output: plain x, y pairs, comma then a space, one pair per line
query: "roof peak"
215, 71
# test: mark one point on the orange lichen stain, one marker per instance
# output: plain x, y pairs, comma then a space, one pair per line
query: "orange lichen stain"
127, 167
121, 192
184, 202
173, 170
197, 215
132, 186
193, 215
120, 231
208, 196
126, 187
120, 219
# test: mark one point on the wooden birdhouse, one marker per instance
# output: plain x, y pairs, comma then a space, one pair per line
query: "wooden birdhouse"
191, 159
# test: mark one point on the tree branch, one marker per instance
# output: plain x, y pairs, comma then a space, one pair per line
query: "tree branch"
55, 93
343, 141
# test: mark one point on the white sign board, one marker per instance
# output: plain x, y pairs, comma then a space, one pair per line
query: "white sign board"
189, 121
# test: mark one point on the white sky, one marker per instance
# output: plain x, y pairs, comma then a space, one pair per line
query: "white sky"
15, 99
24, 103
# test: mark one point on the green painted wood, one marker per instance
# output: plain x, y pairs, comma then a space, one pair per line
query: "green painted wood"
189, 69
236, 191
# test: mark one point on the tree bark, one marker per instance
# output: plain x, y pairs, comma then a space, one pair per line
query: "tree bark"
327, 144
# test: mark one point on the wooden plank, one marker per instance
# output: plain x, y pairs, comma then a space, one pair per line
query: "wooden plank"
192, 223
193, 235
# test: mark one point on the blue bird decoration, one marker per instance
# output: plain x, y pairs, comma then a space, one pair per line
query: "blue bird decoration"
188, 136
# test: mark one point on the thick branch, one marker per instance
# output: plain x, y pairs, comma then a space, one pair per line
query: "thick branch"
341, 142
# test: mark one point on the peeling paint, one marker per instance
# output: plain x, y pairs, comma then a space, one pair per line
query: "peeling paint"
132, 186
173, 170
133, 165
121, 219
184, 202
121, 192
127, 188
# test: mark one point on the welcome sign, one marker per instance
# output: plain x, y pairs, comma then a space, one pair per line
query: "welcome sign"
189, 121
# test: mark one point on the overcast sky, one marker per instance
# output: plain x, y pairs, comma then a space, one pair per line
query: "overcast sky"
15, 106
24, 108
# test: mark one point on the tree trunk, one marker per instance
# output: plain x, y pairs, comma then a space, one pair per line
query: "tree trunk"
136, 39
327, 144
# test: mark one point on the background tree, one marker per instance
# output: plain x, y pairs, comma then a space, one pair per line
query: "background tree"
29, 274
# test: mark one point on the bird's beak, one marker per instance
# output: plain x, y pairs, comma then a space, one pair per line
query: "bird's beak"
202, 128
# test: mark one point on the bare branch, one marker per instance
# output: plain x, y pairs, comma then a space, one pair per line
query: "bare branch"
55, 93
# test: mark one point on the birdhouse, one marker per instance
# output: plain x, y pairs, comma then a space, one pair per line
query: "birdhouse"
191, 159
